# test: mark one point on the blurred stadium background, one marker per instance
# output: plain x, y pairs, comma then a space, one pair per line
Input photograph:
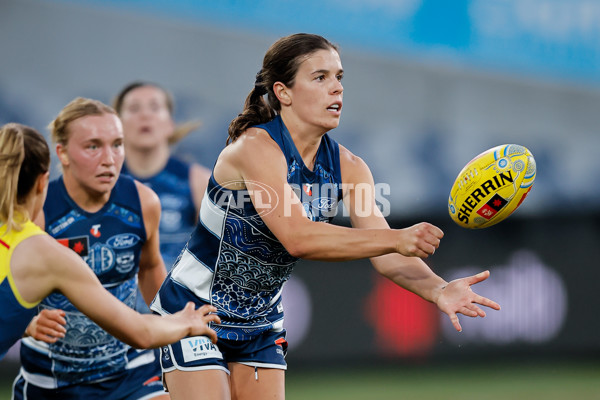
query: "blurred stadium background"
428, 85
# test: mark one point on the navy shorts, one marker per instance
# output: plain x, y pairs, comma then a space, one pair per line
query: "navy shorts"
143, 382
198, 353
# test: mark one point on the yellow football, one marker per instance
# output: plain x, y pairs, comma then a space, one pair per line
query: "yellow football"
491, 186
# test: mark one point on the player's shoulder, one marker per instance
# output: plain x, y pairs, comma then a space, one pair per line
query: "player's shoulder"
253, 144
349, 159
146, 194
47, 251
149, 201
354, 168
255, 136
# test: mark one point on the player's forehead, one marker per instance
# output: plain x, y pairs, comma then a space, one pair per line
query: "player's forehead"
104, 127
145, 94
327, 60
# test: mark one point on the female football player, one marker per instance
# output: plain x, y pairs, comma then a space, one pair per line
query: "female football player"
272, 191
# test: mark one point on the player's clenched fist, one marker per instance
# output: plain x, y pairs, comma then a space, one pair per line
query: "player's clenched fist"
419, 240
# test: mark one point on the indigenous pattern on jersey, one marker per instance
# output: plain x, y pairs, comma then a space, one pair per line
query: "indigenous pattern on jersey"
110, 242
233, 261
178, 213
16, 312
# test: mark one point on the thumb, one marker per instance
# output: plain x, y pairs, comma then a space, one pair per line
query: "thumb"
480, 277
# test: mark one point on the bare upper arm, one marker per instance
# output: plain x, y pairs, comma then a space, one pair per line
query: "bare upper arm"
150, 204
253, 156
255, 162
150, 256
49, 268
199, 176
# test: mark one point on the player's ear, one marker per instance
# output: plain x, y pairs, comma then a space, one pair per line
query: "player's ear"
42, 182
283, 93
61, 152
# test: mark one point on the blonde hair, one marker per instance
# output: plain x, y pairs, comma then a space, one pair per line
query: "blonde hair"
78, 108
181, 130
24, 156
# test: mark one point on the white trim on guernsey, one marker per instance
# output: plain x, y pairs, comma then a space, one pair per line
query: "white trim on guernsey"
212, 216
193, 274
37, 345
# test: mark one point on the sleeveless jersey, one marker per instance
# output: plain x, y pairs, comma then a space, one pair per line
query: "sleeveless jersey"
16, 312
178, 213
110, 241
233, 261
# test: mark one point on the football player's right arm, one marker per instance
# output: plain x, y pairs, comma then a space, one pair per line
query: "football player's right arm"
54, 267
256, 160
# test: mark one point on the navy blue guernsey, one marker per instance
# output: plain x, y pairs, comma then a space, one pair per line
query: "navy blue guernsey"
110, 241
233, 261
178, 213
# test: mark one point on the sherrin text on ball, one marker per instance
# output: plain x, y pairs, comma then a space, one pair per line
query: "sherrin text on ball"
491, 186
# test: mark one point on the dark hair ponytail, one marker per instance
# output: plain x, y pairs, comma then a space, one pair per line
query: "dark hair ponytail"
256, 110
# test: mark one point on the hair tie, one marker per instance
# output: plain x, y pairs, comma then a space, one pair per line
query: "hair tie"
259, 88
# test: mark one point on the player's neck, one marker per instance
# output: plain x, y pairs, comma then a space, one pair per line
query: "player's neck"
87, 199
146, 162
307, 139
29, 207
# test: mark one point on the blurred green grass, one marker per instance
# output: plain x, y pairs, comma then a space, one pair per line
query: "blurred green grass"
481, 381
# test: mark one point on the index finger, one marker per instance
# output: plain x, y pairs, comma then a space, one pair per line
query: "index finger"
484, 301
207, 309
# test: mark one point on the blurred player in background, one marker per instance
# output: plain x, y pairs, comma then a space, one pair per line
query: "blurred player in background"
33, 265
146, 111
111, 221
272, 191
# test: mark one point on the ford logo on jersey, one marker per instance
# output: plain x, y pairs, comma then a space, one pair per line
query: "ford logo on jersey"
123, 241
325, 204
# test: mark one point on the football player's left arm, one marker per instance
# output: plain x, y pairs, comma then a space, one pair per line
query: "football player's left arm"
152, 271
411, 273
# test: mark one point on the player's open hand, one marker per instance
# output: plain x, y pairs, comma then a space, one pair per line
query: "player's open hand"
420, 240
48, 326
457, 297
200, 319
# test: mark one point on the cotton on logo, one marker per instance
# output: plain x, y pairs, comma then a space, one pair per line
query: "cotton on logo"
95, 231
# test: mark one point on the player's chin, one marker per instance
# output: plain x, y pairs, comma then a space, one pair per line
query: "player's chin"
332, 123
104, 187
